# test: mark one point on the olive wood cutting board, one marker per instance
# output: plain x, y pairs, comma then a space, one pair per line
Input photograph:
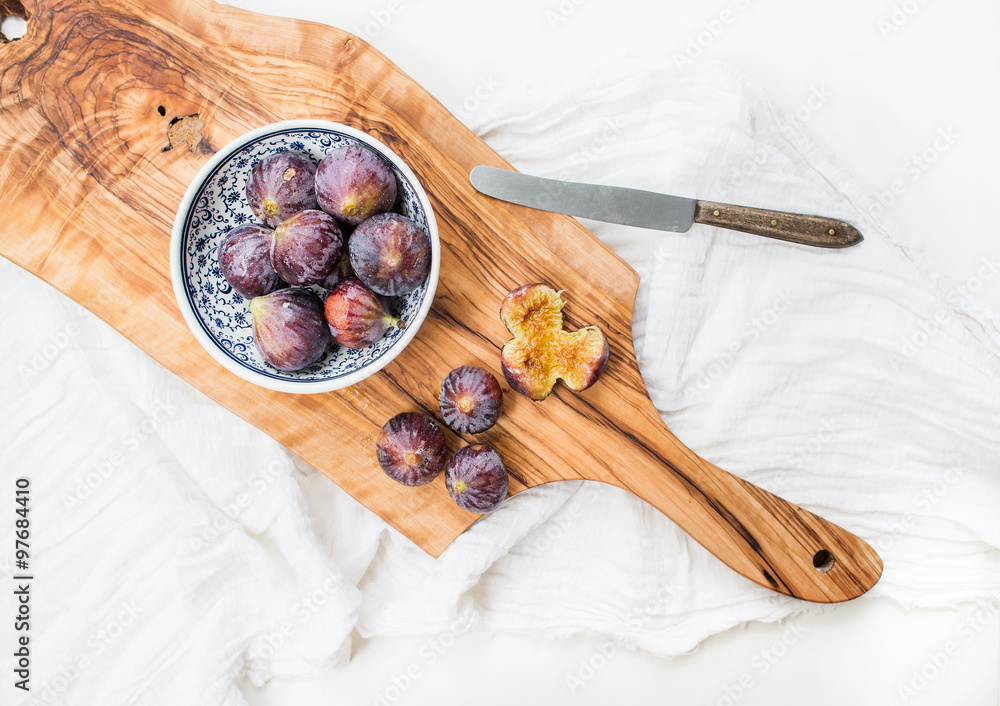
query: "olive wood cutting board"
107, 111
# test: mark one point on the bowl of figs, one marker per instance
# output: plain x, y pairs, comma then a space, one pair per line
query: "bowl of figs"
305, 256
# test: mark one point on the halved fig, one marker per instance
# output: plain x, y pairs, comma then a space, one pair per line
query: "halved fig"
542, 351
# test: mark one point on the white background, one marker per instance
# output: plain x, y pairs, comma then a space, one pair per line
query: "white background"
893, 74
888, 89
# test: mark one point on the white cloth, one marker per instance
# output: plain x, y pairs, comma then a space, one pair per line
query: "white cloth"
175, 548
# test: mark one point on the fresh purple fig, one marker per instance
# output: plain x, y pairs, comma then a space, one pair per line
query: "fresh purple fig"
306, 247
246, 263
341, 271
280, 185
354, 183
476, 479
289, 329
470, 399
411, 448
357, 316
390, 254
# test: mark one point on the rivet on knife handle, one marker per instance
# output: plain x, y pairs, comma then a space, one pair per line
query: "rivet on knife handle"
793, 227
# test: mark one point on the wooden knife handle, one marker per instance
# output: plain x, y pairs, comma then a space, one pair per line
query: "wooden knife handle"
793, 227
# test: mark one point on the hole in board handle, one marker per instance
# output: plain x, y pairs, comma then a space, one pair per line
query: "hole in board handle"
823, 560
12, 27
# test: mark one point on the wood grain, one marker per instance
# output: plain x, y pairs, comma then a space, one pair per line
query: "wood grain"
12, 8
799, 228
86, 102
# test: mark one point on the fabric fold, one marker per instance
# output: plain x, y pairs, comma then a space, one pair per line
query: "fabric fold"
178, 549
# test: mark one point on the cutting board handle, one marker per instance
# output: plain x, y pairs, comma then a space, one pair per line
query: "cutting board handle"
765, 538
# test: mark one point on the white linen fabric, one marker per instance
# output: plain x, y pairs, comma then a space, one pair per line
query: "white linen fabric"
175, 548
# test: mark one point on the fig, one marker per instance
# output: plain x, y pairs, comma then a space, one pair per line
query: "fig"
476, 479
411, 448
541, 351
357, 317
246, 263
354, 183
390, 254
306, 246
470, 399
341, 271
289, 329
280, 185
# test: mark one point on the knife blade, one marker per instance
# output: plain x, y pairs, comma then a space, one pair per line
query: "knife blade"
648, 209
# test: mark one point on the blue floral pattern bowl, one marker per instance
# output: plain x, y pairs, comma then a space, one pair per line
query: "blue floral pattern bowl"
218, 316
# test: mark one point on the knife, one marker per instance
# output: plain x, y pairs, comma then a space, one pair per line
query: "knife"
647, 209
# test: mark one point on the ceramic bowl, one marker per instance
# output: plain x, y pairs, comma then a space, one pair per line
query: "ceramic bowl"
219, 317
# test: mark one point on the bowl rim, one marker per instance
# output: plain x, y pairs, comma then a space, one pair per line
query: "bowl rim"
180, 284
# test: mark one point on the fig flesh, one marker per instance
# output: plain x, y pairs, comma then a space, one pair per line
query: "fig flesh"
542, 352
